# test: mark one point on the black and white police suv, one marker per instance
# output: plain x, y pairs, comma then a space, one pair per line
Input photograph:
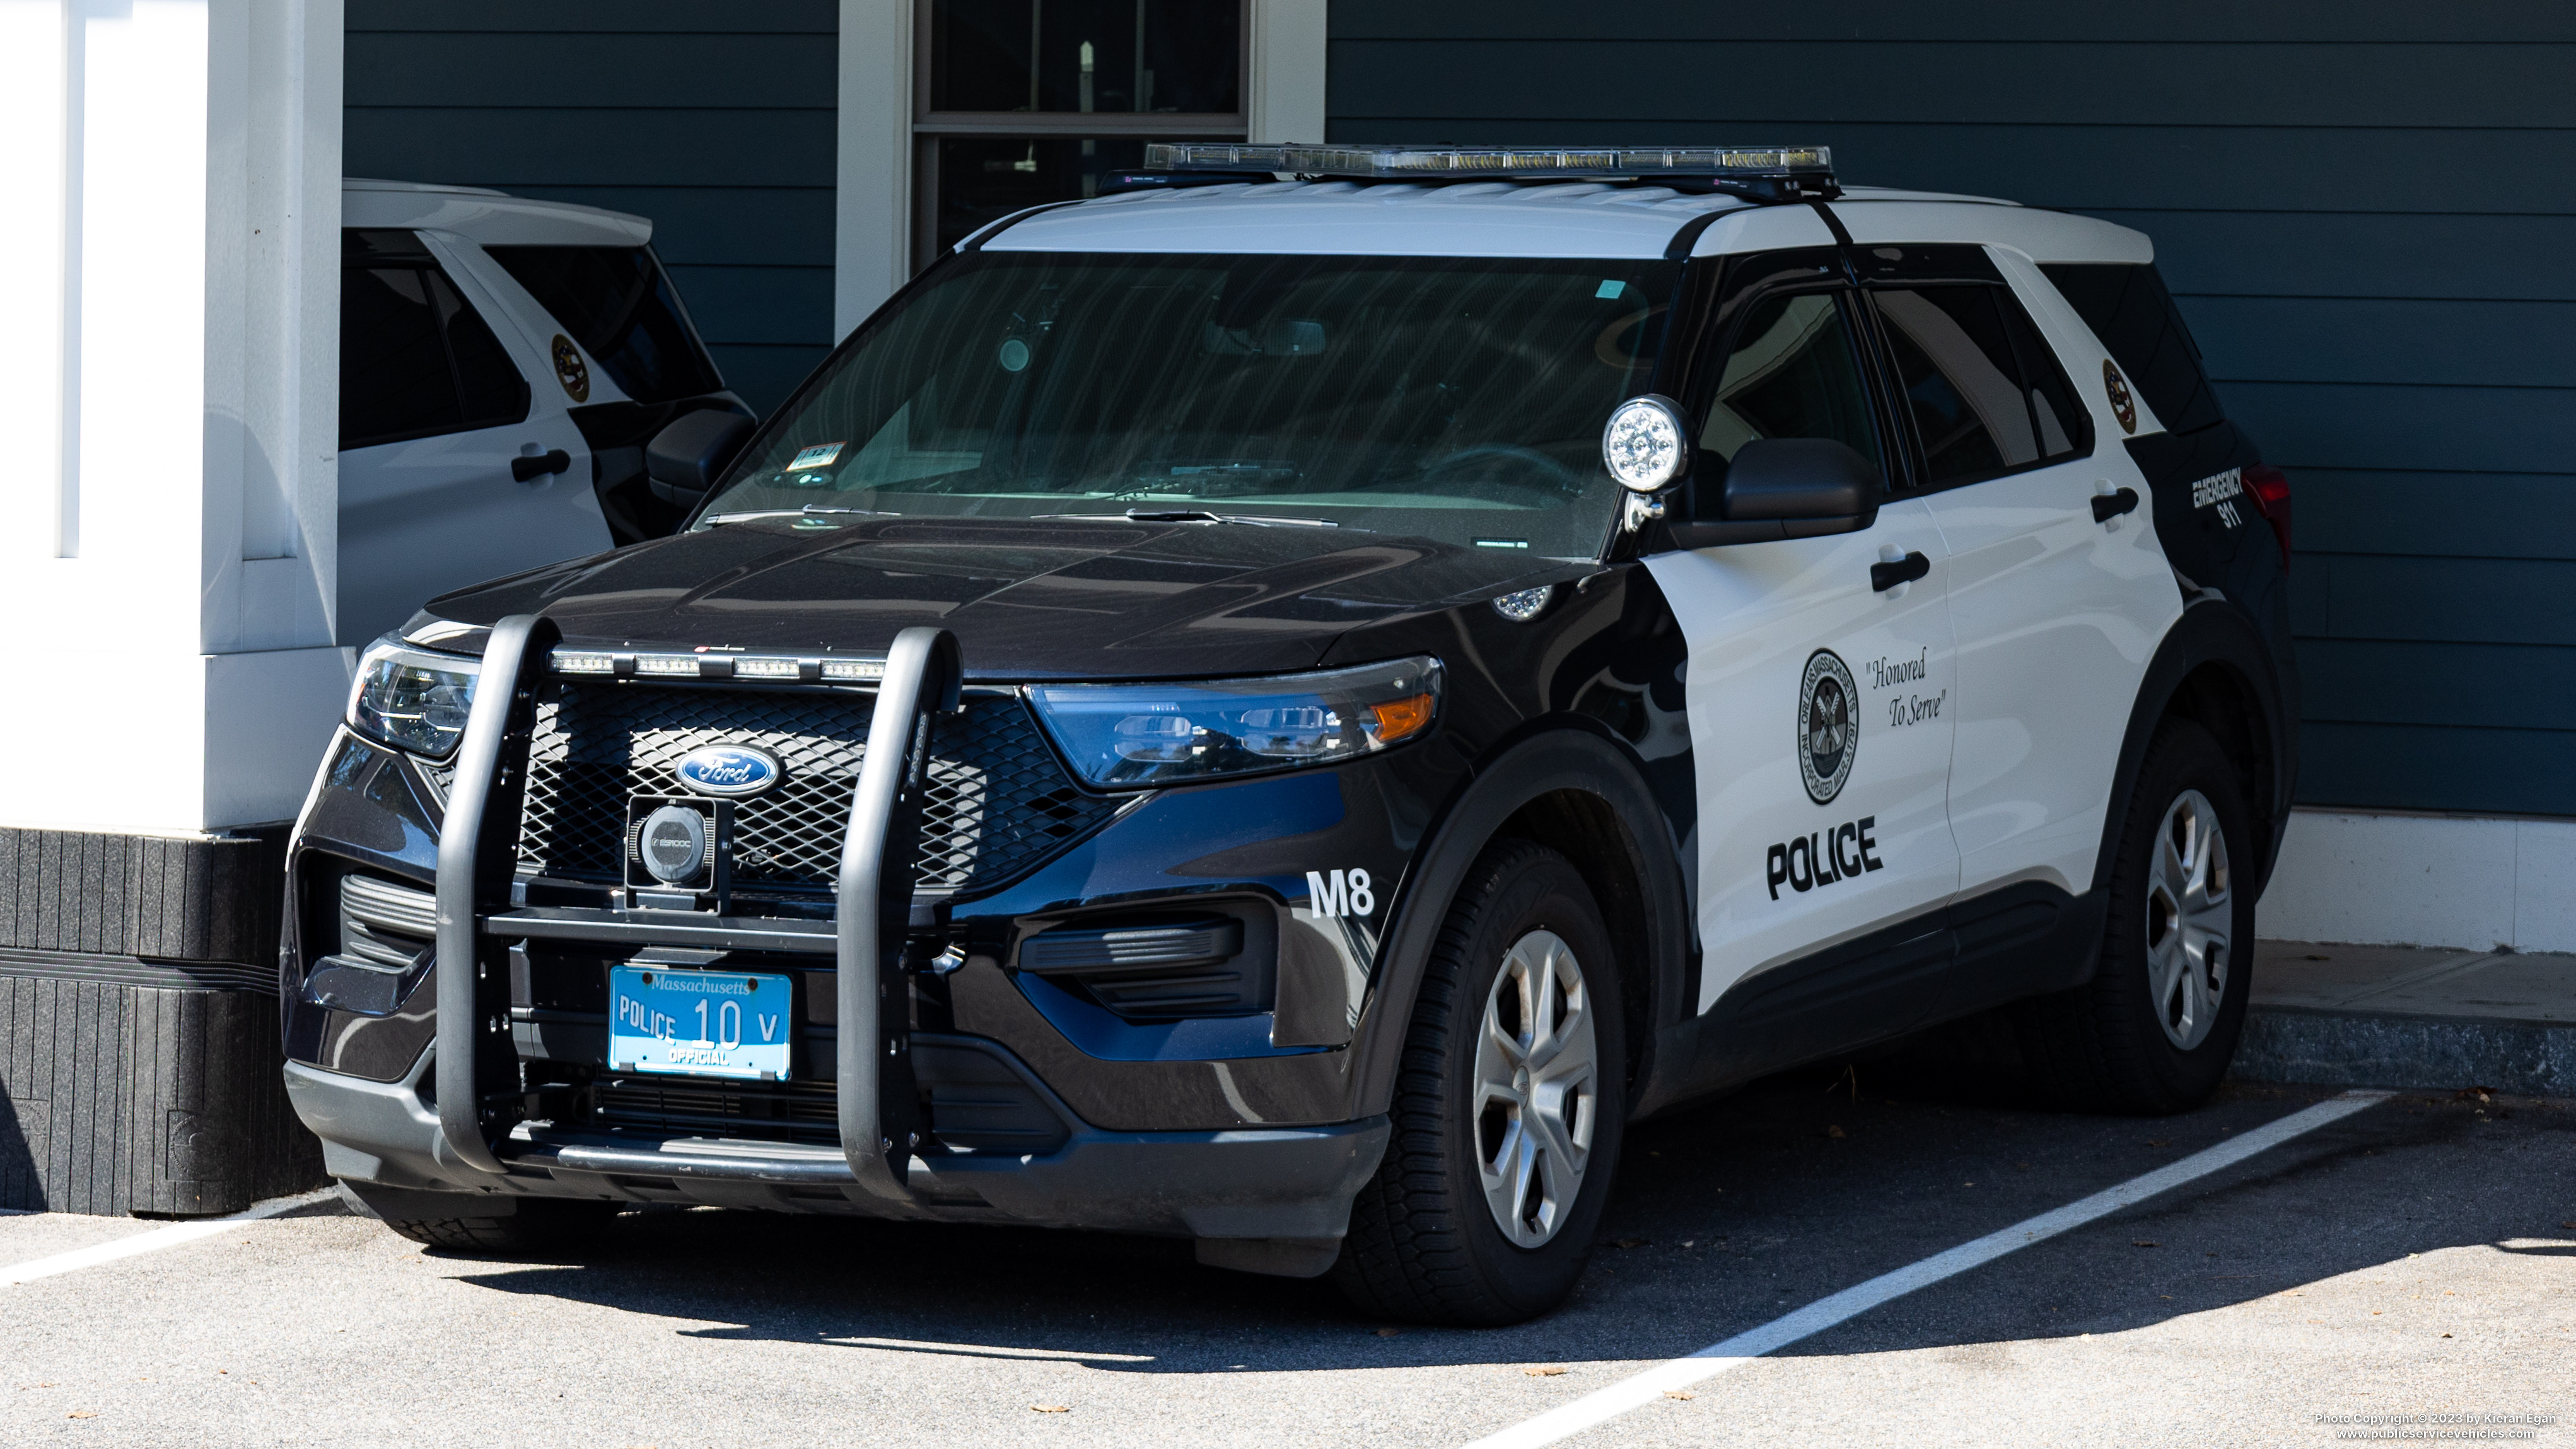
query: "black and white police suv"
1286, 712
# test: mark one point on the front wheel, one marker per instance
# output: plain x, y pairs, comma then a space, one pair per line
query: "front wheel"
2154, 1030
1508, 1107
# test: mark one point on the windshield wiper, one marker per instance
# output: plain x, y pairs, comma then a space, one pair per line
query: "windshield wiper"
1199, 515
811, 508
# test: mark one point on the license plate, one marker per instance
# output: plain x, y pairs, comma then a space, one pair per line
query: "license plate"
699, 1023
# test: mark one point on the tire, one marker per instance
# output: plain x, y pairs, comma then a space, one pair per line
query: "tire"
2152, 1032
1428, 1241
532, 1225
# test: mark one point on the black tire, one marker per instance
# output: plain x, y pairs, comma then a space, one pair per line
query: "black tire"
532, 1224
2104, 1046
1424, 1245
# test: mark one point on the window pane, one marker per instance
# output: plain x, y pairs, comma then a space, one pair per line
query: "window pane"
2059, 418
618, 303
985, 178
394, 380
1091, 55
493, 390
1960, 380
2129, 309
1462, 399
1792, 374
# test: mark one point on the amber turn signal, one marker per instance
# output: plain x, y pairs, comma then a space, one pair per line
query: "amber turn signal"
1399, 718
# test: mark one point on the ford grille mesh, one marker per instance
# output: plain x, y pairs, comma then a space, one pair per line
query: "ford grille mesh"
998, 801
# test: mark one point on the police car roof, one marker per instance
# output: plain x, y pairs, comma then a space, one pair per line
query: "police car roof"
1536, 219
489, 218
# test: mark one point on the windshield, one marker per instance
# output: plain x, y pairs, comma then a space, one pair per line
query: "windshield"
1457, 398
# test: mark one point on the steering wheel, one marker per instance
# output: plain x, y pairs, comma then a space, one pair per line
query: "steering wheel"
1518, 465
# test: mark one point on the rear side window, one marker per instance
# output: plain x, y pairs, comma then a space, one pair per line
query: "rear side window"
1985, 394
619, 304
1793, 373
415, 359
2130, 310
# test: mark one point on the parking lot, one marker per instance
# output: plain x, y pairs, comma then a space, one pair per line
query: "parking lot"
2415, 1256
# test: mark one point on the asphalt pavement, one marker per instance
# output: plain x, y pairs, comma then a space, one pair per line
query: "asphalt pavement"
2416, 1257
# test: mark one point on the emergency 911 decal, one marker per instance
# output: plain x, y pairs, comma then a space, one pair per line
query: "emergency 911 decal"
2219, 491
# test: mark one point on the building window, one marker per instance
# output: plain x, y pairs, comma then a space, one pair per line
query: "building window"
1019, 102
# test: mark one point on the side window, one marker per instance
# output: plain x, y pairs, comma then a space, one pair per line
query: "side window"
2064, 427
1959, 355
394, 381
619, 304
1793, 373
415, 360
2130, 310
488, 380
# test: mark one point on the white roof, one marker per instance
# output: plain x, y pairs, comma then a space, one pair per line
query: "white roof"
489, 218
1552, 219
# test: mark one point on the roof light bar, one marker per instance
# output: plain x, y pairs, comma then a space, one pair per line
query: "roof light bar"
1810, 164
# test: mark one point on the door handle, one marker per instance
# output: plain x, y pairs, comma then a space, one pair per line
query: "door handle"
1885, 576
2107, 506
529, 469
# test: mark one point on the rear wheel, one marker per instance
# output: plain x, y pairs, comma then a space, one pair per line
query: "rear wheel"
2155, 1028
1508, 1107
469, 1224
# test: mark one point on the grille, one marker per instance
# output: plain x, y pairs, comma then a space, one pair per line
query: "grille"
974, 1104
998, 802
802, 1112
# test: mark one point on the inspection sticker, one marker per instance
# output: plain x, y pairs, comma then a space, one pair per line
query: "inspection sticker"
821, 455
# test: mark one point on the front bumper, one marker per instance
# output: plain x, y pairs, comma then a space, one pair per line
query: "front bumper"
1292, 1183
995, 1095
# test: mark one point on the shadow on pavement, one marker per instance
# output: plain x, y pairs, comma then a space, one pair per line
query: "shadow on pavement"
1726, 1217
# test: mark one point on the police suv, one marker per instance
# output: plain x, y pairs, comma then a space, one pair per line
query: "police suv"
1286, 703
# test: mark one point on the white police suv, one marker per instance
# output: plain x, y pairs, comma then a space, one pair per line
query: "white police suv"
1287, 703
503, 362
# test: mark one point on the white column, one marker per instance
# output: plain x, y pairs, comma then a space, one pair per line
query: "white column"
872, 204
1284, 96
169, 285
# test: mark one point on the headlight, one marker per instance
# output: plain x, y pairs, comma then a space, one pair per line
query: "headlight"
411, 699
1164, 734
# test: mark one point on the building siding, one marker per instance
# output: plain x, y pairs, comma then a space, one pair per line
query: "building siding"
2362, 208
716, 121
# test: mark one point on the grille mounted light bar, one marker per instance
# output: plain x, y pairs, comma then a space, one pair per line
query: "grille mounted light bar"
1800, 170
783, 669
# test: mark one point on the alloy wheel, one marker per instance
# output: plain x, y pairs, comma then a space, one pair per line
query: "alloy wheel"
2190, 915
1537, 1088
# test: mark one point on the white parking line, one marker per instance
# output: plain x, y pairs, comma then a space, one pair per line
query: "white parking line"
159, 1238
1603, 1405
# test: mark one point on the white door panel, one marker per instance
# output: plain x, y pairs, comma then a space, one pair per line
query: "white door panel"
1786, 869
2057, 616
423, 517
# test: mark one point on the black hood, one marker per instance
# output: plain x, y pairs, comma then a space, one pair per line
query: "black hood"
1027, 599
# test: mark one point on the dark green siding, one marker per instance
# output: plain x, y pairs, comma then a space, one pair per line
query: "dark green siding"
2364, 208
715, 120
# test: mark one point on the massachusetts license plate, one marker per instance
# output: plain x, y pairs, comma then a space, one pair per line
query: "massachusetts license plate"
698, 1022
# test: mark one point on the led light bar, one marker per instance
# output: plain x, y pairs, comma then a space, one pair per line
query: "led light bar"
782, 669
1814, 164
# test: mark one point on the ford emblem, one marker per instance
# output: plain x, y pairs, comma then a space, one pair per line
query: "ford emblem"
729, 771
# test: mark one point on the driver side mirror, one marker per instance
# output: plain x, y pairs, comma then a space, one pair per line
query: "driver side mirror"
691, 452
1778, 488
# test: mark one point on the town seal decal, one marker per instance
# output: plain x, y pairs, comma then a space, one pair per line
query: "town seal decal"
2121, 406
1828, 725
570, 370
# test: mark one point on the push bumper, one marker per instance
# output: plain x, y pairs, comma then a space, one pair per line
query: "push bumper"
1268, 1184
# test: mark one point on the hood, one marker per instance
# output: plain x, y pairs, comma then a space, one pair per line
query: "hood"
1027, 599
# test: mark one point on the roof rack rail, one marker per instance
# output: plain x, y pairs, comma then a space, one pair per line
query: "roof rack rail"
1758, 173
